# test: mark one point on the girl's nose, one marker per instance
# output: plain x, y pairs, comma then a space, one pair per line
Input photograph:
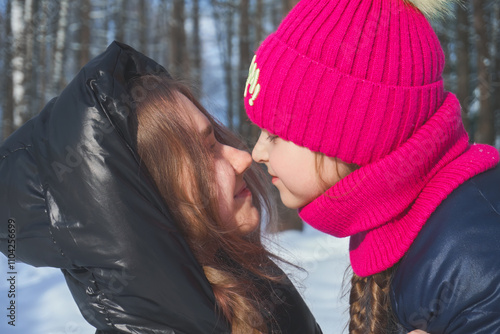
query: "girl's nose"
259, 152
240, 160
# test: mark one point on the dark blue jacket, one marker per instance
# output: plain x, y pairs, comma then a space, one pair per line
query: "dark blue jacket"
72, 187
449, 280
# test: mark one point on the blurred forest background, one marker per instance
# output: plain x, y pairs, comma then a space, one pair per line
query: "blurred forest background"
44, 43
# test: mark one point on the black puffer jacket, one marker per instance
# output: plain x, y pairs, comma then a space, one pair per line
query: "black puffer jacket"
449, 280
71, 184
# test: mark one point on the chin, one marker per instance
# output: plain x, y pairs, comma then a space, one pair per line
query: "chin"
247, 229
291, 203
249, 223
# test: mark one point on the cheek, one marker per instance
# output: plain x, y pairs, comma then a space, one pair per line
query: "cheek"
332, 171
297, 173
305, 187
299, 182
225, 190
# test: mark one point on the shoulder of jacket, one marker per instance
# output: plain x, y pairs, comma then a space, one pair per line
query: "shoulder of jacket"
450, 272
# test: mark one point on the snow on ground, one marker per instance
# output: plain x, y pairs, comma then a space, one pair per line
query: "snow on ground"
324, 259
44, 304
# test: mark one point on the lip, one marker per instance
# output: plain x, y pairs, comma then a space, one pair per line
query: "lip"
274, 178
243, 191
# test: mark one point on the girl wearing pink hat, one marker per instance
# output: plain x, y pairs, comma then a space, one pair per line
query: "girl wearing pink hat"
360, 136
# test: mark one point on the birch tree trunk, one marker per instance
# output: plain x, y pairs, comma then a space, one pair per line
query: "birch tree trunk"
486, 122
17, 63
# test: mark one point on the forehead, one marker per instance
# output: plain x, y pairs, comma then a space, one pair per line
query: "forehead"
200, 121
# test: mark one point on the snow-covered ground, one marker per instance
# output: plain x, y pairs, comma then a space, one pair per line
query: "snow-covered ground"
324, 259
44, 304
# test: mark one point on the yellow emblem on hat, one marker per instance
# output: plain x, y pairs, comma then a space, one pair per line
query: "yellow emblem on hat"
253, 77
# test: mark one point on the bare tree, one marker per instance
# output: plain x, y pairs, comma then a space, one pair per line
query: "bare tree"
84, 33
496, 66
120, 18
486, 126
259, 24
57, 77
29, 40
46, 17
178, 65
17, 25
100, 18
444, 31
244, 63
287, 5
143, 26
196, 66
223, 13
8, 98
463, 61
162, 32
276, 12
34, 70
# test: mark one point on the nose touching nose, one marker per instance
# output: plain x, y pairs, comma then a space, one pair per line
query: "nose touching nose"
240, 160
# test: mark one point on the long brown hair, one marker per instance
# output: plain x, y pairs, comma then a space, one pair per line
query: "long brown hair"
173, 154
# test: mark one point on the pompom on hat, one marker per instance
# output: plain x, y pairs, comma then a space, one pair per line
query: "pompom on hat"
361, 80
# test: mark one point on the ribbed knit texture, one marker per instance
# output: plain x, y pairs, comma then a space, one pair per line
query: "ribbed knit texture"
361, 80
383, 206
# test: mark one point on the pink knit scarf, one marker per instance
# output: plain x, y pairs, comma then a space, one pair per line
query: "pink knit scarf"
383, 205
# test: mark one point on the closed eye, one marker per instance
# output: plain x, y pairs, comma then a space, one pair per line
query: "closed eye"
212, 146
272, 138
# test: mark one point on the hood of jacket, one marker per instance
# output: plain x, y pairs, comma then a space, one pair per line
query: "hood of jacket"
76, 199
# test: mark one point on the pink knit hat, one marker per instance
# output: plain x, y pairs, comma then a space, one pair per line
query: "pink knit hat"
367, 73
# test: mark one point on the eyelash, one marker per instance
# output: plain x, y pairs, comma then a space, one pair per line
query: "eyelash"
272, 138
